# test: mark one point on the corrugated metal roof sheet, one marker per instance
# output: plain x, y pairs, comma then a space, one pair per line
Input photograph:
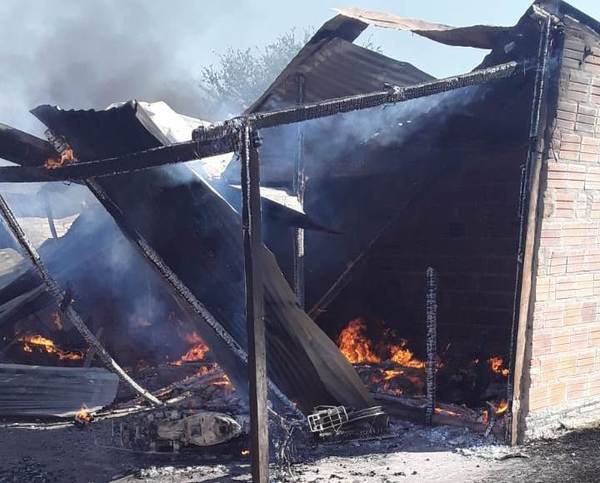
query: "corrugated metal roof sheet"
332, 66
478, 36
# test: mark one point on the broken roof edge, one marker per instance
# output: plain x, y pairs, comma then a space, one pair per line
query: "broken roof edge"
573, 12
476, 36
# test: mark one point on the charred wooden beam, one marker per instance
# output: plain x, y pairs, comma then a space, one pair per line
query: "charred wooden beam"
163, 155
23, 148
257, 362
299, 183
64, 302
529, 227
219, 138
393, 95
178, 288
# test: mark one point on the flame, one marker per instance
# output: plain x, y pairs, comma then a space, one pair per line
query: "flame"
43, 344
501, 407
392, 374
358, 349
83, 415
497, 366
400, 354
66, 157
196, 353
355, 346
446, 412
245, 452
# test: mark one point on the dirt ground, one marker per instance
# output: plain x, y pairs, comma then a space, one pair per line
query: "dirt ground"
412, 454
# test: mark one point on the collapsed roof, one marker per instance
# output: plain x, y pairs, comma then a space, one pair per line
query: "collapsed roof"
196, 231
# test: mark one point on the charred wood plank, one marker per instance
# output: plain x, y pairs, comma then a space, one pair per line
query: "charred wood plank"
331, 107
159, 156
54, 391
257, 364
219, 138
23, 148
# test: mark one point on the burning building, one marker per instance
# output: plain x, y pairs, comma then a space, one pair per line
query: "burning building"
428, 244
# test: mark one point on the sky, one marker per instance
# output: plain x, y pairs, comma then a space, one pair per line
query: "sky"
88, 54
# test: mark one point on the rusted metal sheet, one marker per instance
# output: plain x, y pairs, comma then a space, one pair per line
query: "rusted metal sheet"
478, 36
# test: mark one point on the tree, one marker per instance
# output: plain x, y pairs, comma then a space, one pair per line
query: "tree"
242, 75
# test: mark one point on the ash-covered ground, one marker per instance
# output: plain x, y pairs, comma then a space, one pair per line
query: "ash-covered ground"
411, 454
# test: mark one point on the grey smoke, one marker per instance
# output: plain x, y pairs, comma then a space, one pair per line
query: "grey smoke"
90, 54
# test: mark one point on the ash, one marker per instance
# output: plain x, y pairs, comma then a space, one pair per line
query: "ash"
411, 453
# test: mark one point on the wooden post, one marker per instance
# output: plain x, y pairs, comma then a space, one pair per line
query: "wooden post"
253, 251
299, 186
528, 236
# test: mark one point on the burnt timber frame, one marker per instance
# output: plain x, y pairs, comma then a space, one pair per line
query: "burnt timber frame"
239, 134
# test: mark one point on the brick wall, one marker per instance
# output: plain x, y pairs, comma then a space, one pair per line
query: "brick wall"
564, 369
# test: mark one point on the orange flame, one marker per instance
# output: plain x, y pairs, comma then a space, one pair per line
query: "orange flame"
358, 349
66, 157
501, 407
355, 346
83, 415
400, 354
196, 353
497, 366
40, 343
447, 412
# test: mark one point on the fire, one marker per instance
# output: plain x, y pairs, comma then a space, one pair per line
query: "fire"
83, 416
42, 344
497, 366
355, 346
66, 157
447, 412
391, 374
400, 354
502, 407
196, 353
358, 349
245, 452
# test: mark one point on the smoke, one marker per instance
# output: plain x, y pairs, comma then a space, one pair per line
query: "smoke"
91, 54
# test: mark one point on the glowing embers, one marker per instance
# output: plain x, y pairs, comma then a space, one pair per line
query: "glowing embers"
38, 344
197, 354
